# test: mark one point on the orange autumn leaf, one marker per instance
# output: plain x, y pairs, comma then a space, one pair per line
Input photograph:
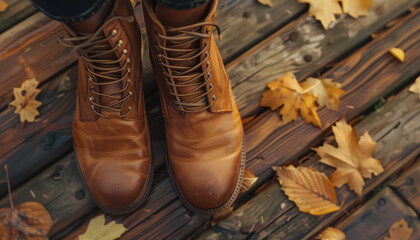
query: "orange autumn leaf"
310, 190
323, 10
3, 5
266, 2
399, 231
286, 93
352, 159
248, 181
327, 92
398, 53
331, 233
25, 100
357, 8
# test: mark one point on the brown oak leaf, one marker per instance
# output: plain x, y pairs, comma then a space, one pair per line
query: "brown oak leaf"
399, 231
415, 88
327, 92
324, 10
249, 180
286, 93
331, 233
309, 189
352, 159
357, 8
25, 100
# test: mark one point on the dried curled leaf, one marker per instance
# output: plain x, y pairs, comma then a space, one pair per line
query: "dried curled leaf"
352, 159
324, 10
310, 190
97, 230
331, 233
357, 8
399, 231
249, 180
266, 2
398, 53
25, 103
415, 88
29, 220
327, 92
286, 93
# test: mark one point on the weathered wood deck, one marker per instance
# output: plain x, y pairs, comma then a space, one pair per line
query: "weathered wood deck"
259, 45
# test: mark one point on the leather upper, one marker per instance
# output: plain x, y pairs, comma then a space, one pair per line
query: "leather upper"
205, 148
114, 151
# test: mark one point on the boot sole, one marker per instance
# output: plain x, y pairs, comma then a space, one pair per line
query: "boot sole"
134, 205
212, 211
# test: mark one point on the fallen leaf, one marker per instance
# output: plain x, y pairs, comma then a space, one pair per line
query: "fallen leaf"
25, 103
331, 233
399, 231
324, 10
266, 2
310, 190
29, 220
286, 93
352, 159
357, 8
415, 88
249, 180
398, 53
327, 92
221, 215
3, 5
97, 230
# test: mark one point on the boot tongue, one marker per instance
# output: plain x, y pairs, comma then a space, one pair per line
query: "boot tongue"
88, 26
173, 18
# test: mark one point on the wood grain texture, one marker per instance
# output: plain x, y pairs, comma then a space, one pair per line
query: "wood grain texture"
407, 186
16, 11
376, 216
395, 127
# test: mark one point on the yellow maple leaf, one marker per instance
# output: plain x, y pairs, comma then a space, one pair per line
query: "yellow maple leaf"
357, 8
97, 230
327, 91
324, 10
398, 53
331, 233
310, 190
399, 231
266, 2
25, 103
286, 93
352, 159
415, 88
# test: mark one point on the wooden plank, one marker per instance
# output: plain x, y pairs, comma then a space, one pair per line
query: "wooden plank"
407, 186
376, 216
395, 127
134, 220
16, 11
303, 47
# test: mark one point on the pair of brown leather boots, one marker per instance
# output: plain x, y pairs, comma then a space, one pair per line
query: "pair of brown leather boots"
205, 146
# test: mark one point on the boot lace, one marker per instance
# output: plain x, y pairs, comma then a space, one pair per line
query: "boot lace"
92, 48
175, 73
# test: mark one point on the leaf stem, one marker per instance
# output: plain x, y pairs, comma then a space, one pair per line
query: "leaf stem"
8, 185
311, 87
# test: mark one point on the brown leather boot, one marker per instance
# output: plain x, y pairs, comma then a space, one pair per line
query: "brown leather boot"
203, 127
110, 130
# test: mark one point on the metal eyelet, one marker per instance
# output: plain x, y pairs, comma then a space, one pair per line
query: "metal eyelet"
92, 107
208, 63
214, 97
128, 80
128, 70
207, 30
114, 32
91, 99
128, 60
130, 107
205, 43
120, 43
131, 18
130, 93
90, 79
209, 75
211, 85
125, 51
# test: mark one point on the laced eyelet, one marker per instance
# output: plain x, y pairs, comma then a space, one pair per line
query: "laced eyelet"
211, 85
214, 98
207, 30
92, 107
120, 43
205, 43
209, 75
130, 107
128, 69
208, 64
114, 32
130, 93
91, 99
131, 18
125, 51
128, 60
90, 79
128, 80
